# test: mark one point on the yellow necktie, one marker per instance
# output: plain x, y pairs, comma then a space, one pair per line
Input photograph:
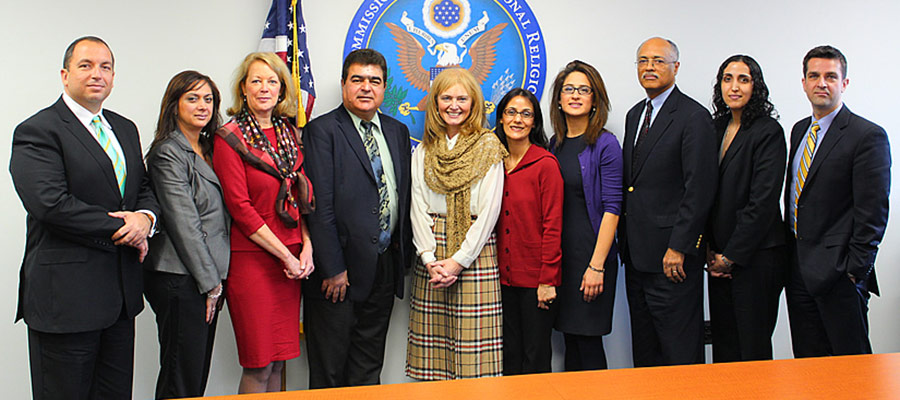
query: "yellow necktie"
808, 151
114, 156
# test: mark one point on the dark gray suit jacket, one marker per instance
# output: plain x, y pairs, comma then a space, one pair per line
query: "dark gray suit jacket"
344, 226
746, 216
843, 208
192, 237
73, 277
669, 195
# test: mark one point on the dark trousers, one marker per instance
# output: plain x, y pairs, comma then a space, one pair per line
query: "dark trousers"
666, 317
832, 324
743, 310
345, 340
526, 332
584, 353
86, 365
185, 339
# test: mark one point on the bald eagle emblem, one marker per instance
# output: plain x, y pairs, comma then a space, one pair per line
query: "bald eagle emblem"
446, 19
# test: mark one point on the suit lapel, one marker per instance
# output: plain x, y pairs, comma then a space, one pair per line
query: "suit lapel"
203, 169
796, 137
74, 126
394, 147
657, 128
832, 137
628, 142
356, 143
739, 139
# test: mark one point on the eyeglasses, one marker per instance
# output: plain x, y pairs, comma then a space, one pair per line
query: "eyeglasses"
582, 90
656, 62
511, 112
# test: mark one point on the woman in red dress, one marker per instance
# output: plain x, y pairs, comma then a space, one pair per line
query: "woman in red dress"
258, 161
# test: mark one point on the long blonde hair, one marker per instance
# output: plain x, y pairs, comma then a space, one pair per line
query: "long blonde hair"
434, 124
287, 98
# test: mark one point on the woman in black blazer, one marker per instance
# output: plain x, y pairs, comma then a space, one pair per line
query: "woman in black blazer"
189, 255
746, 254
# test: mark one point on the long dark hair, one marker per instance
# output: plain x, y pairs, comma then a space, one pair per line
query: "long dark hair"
759, 104
599, 100
180, 84
536, 136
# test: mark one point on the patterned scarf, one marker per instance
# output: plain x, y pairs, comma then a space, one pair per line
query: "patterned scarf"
282, 161
452, 172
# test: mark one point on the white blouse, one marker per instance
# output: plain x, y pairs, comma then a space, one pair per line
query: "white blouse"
487, 193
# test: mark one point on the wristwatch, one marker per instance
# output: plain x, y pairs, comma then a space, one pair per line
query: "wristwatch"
728, 263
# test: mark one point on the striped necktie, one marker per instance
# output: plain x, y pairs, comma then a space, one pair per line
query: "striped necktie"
114, 156
384, 215
810, 149
645, 127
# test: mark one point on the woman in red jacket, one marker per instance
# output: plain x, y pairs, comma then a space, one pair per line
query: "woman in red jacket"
528, 235
257, 158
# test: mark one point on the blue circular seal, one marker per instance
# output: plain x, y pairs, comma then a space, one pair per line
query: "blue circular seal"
498, 41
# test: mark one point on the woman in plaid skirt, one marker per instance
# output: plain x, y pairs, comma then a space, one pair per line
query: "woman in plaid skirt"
455, 323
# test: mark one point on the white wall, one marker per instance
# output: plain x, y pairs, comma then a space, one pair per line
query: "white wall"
153, 40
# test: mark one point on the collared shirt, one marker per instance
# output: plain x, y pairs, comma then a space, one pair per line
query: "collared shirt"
824, 124
657, 102
387, 163
85, 116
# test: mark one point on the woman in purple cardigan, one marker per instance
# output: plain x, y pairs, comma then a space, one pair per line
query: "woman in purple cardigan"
590, 160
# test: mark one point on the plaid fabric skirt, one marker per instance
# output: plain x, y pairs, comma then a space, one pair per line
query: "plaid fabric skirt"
456, 332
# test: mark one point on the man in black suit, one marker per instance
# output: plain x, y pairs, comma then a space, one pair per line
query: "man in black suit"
79, 173
670, 181
836, 207
359, 164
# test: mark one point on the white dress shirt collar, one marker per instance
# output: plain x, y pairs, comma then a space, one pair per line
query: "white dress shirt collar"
84, 115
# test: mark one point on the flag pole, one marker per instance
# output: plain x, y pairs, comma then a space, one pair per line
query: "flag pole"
295, 68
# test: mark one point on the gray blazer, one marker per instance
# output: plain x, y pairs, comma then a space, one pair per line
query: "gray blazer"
192, 236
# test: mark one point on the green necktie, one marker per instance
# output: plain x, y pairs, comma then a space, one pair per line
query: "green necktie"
114, 156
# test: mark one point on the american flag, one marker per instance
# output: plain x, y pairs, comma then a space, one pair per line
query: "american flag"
285, 35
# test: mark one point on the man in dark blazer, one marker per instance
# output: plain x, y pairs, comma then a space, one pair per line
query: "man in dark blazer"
836, 208
670, 181
81, 282
359, 164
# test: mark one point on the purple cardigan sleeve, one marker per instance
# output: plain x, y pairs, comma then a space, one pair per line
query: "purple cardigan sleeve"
610, 173
601, 175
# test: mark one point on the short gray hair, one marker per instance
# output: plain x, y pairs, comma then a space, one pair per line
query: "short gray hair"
672, 45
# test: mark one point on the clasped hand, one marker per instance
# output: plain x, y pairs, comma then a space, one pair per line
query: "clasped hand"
134, 233
443, 272
716, 265
299, 268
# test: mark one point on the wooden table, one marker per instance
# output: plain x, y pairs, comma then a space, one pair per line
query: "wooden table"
848, 377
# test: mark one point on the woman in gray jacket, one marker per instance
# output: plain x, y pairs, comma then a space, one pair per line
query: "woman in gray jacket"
188, 259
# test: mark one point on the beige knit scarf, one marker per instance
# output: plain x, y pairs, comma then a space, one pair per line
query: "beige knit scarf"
452, 172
